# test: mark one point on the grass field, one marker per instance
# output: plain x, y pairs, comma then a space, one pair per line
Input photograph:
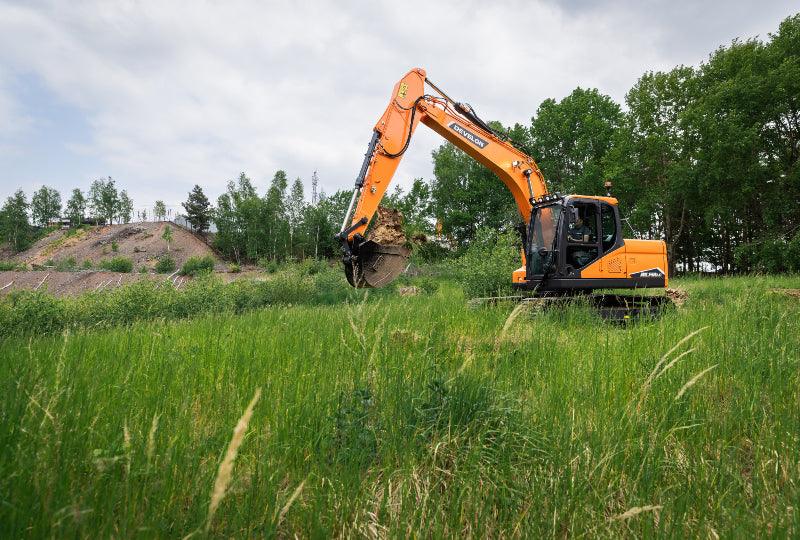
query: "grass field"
413, 415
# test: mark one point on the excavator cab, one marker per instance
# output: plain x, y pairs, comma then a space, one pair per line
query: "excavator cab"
575, 242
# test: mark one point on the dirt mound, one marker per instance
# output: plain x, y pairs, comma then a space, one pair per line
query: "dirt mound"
142, 243
678, 296
68, 283
793, 293
387, 229
75, 283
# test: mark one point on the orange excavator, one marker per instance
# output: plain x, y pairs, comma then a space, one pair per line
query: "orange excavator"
571, 243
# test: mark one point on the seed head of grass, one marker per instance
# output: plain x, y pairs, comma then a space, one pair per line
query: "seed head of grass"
225, 471
692, 381
635, 511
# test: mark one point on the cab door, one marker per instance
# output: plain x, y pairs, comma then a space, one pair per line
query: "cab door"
611, 240
582, 236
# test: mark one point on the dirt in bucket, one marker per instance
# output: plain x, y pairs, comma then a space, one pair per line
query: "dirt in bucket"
387, 227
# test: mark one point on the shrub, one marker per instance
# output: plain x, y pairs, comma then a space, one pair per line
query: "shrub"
87, 264
117, 264
10, 265
234, 268
114, 246
165, 265
311, 267
198, 265
143, 269
271, 266
429, 252
486, 266
66, 265
428, 285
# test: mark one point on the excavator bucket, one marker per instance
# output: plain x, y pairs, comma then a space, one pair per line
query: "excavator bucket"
378, 260
376, 264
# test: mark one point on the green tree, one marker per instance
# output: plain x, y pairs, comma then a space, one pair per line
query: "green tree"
76, 207
295, 206
653, 155
570, 139
159, 211
198, 210
167, 236
104, 199
14, 226
275, 218
414, 205
748, 114
125, 207
465, 196
45, 205
241, 223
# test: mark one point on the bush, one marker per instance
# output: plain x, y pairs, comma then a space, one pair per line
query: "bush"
87, 264
429, 252
312, 267
117, 264
66, 265
10, 265
198, 265
114, 246
143, 269
234, 268
486, 266
166, 265
271, 266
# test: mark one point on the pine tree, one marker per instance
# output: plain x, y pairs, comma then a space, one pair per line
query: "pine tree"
198, 210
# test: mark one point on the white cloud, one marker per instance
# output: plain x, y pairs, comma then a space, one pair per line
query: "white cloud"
181, 93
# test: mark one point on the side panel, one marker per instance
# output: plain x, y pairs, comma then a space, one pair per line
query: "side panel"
647, 261
638, 263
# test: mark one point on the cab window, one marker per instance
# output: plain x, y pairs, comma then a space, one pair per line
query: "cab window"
609, 225
582, 236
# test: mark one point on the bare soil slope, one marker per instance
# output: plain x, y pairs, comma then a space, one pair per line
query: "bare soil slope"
141, 242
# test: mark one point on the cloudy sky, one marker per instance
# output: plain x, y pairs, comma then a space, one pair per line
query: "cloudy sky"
162, 95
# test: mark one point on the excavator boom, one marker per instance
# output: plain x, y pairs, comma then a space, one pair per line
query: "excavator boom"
370, 264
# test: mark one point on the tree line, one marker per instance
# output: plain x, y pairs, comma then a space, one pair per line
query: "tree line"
20, 220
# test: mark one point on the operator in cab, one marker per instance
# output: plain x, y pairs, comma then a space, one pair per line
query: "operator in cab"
579, 232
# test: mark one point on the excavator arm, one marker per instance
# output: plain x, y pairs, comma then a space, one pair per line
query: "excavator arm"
369, 264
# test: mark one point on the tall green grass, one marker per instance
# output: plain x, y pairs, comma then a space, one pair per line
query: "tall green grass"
405, 416
37, 312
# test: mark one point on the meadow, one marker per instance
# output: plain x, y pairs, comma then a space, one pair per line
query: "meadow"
392, 416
